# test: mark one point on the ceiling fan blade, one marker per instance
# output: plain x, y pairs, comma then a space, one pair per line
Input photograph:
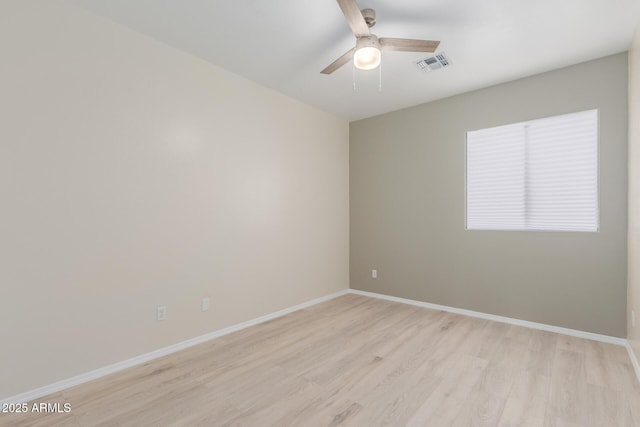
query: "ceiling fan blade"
339, 62
354, 18
408, 45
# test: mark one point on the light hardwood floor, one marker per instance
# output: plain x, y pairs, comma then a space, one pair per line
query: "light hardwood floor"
358, 361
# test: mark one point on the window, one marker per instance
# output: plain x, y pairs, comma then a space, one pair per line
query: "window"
536, 175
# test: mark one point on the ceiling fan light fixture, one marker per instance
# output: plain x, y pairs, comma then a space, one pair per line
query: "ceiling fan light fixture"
367, 55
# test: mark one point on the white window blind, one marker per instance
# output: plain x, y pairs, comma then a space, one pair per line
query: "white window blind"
536, 175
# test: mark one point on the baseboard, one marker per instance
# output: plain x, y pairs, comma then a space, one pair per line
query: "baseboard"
527, 324
634, 360
143, 358
107, 370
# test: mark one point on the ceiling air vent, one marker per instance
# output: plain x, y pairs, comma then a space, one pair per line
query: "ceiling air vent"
433, 63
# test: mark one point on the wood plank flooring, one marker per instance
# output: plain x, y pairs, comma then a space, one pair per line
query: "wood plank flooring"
358, 361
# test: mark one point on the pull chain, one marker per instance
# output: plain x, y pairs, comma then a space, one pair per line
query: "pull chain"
354, 77
379, 78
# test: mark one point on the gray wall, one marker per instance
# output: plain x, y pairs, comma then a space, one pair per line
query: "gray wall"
408, 209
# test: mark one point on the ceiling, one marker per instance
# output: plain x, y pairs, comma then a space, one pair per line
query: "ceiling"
283, 44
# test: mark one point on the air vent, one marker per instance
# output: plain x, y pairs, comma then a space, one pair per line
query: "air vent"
433, 63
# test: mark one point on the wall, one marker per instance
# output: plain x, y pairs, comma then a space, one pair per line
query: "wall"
408, 207
633, 296
133, 175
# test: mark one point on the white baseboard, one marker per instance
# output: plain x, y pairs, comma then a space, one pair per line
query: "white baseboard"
634, 360
527, 324
143, 358
101, 372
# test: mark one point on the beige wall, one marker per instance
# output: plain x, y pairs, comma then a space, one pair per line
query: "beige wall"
407, 207
633, 296
133, 175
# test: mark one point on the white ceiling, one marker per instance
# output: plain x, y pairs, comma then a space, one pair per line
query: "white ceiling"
283, 44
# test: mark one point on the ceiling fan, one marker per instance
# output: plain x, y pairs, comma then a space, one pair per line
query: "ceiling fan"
366, 54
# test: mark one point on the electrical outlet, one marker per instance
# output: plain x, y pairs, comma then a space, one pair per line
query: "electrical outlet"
205, 304
161, 312
374, 274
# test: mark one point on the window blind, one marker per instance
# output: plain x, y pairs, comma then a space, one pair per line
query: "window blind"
535, 175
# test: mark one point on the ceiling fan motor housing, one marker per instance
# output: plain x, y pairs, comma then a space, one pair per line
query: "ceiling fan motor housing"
367, 41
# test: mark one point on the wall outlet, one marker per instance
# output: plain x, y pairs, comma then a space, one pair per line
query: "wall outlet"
374, 274
633, 318
205, 304
161, 312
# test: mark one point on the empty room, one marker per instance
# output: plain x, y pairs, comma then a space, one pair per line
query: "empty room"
320, 213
